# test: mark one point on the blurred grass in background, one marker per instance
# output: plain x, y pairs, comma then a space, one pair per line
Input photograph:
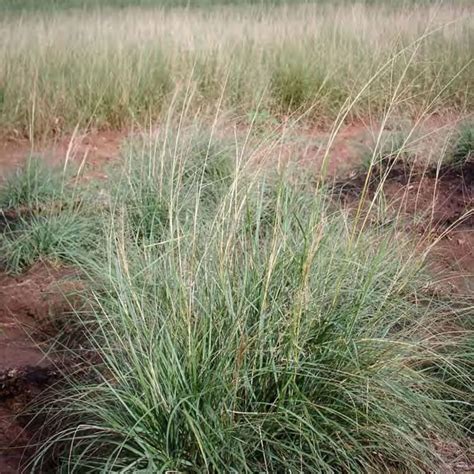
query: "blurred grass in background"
109, 68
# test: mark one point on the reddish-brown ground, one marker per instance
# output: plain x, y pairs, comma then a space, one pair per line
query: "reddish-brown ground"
442, 206
431, 205
95, 149
437, 208
29, 306
30, 303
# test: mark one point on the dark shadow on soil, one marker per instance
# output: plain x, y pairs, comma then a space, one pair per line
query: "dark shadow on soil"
437, 203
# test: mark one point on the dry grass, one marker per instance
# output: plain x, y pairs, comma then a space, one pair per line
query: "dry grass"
110, 67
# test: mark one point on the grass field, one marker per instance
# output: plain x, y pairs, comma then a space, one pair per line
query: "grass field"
111, 68
234, 309
21, 6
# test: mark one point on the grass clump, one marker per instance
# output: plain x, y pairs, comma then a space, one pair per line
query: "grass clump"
259, 332
44, 216
463, 150
32, 186
156, 189
291, 85
56, 238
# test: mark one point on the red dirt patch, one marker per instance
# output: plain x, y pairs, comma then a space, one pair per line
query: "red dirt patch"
28, 304
453, 260
12, 435
441, 204
441, 198
436, 206
94, 149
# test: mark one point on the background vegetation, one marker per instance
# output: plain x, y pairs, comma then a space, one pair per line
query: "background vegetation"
113, 68
15, 6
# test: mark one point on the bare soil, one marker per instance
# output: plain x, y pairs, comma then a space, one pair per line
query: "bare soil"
29, 305
93, 149
437, 206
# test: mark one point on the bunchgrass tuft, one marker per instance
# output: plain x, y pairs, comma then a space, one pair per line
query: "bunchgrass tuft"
463, 150
55, 238
260, 331
45, 216
155, 188
34, 185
